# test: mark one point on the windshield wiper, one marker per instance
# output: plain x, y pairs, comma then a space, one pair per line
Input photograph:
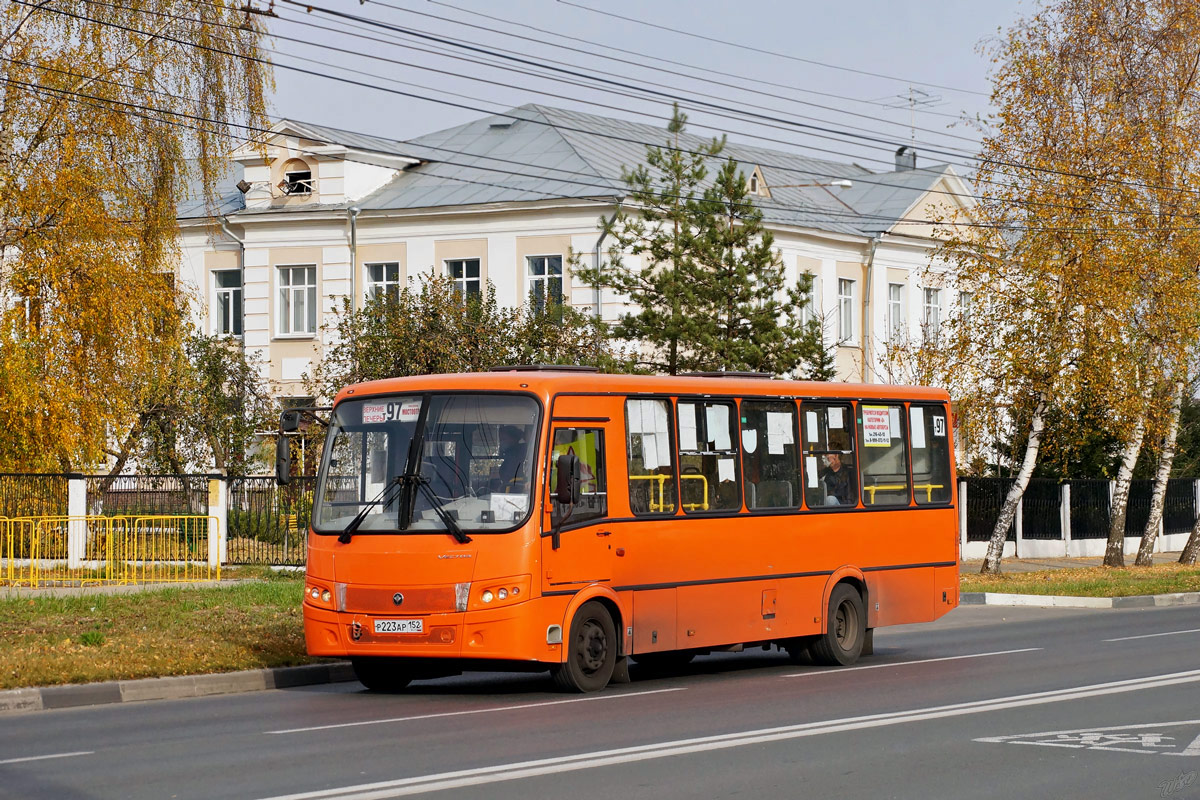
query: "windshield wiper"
382, 497
438, 508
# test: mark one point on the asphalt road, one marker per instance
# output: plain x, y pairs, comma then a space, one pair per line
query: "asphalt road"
987, 702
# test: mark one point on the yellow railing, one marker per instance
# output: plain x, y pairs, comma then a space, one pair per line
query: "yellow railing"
102, 550
696, 506
900, 487
661, 503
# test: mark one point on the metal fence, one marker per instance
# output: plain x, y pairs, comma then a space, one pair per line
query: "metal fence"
1091, 509
985, 497
148, 494
1179, 510
1041, 517
268, 523
106, 550
1137, 507
22, 494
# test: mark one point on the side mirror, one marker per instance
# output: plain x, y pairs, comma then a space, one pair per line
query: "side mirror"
283, 460
567, 486
289, 422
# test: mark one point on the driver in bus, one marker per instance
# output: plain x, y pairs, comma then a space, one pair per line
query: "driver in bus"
511, 474
838, 489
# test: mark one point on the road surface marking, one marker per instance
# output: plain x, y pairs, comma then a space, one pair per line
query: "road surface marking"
527, 769
611, 696
839, 670
1152, 635
1151, 742
42, 758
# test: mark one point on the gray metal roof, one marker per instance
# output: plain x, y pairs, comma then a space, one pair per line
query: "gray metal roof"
229, 199
537, 152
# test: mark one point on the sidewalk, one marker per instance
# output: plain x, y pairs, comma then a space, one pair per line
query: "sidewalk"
1035, 564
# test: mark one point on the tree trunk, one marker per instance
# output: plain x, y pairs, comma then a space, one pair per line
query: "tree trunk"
1114, 553
1191, 550
991, 564
1145, 556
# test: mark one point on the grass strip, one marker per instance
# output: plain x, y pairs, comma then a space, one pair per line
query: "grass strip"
1090, 581
252, 624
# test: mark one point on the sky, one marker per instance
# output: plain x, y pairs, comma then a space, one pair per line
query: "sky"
410, 67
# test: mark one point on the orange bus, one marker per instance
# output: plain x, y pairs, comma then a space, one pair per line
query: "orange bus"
556, 518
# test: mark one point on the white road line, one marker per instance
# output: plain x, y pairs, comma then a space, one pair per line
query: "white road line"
1152, 635
840, 670
1095, 729
42, 758
610, 696
383, 790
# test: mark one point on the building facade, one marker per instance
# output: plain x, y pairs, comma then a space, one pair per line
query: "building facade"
321, 217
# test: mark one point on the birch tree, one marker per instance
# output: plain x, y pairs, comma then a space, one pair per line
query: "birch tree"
108, 113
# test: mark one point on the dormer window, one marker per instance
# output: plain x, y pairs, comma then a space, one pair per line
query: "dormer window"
297, 181
754, 184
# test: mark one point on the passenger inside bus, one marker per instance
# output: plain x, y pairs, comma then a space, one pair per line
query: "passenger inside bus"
839, 486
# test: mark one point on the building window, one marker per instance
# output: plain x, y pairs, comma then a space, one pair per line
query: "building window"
297, 181
932, 320
297, 310
895, 311
465, 274
227, 302
545, 280
383, 281
845, 310
808, 311
965, 301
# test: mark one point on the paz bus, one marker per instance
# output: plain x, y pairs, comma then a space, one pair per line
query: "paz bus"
554, 518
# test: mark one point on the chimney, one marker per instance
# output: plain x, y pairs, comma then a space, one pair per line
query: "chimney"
906, 158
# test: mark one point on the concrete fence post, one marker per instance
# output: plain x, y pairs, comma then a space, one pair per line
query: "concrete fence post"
218, 511
1064, 515
76, 528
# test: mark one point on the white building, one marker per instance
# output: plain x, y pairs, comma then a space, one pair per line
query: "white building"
329, 214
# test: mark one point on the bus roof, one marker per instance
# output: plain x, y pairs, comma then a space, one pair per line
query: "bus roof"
546, 383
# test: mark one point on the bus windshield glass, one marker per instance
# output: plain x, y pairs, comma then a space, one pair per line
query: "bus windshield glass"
474, 453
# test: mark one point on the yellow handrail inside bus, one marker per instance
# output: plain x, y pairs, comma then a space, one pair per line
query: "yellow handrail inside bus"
696, 506
661, 504
900, 487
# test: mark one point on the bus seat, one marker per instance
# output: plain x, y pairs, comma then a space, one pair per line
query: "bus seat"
769, 494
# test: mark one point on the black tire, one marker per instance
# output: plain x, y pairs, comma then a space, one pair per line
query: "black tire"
381, 674
845, 629
664, 663
591, 651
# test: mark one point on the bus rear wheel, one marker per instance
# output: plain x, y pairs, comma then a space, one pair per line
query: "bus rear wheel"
845, 629
591, 651
381, 674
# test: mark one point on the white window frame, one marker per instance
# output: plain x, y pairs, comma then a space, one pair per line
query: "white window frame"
808, 311
374, 287
310, 296
965, 301
845, 306
931, 317
237, 298
895, 312
531, 280
462, 284
304, 186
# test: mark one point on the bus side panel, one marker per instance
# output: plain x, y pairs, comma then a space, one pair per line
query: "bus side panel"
654, 620
901, 595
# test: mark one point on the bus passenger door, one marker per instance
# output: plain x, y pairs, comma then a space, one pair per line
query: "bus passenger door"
584, 550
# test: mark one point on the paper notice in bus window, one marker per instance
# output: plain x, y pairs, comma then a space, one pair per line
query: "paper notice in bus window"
779, 431
718, 427
894, 422
725, 469
687, 426
810, 419
916, 416
876, 426
939, 425
835, 417
373, 414
410, 411
633, 409
662, 441
810, 471
509, 507
750, 440
649, 452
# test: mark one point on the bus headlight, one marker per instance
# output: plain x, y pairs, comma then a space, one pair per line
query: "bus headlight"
501, 592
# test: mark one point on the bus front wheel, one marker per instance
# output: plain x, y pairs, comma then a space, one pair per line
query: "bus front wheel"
591, 651
381, 674
845, 629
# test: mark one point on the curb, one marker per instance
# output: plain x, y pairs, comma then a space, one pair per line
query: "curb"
1061, 601
17, 701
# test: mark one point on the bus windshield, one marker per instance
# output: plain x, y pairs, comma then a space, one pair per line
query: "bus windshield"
475, 452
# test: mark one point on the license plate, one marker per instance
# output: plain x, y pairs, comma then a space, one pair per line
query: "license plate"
399, 626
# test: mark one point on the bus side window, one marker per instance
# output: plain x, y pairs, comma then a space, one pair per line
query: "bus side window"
587, 444
770, 465
651, 466
884, 461
830, 473
708, 456
930, 454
